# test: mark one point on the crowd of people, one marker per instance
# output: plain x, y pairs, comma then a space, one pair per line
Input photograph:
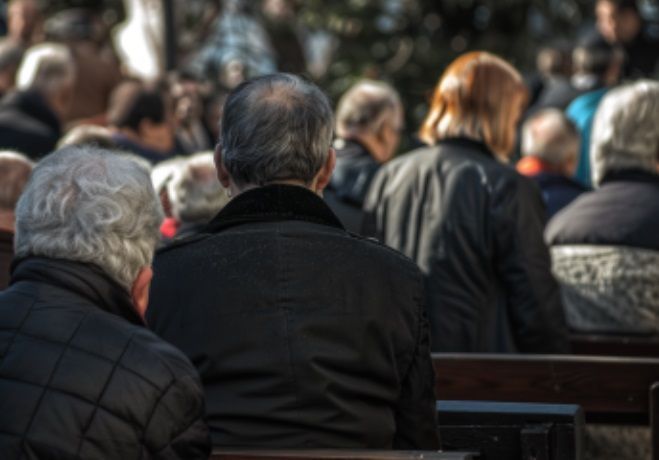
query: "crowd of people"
304, 272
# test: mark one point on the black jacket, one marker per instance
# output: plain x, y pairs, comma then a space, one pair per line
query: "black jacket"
28, 125
624, 211
354, 171
304, 335
474, 227
80, 377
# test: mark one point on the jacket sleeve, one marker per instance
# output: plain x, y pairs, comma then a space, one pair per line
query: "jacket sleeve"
416, 414
370, 226
177, 426
523, 263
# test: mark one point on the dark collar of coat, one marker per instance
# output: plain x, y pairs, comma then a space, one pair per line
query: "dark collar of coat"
630, 175
466, 143
79, 279
273, 203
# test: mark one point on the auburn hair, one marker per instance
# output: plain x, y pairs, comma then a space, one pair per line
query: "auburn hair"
479, 96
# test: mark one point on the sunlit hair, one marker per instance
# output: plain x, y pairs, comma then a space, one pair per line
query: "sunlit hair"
479, 96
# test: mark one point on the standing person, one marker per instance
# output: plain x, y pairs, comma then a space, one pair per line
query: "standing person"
471, 223
305, 336
369, 119
80, 375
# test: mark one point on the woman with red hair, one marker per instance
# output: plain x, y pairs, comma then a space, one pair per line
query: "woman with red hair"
473, 224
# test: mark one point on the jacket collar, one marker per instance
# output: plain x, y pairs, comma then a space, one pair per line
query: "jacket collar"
466, 143
32, 103
630, 175
80, 279
273, 203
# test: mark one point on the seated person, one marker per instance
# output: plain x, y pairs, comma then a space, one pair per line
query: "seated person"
81, 376
550, 149
305, 336
605, 245
15, 170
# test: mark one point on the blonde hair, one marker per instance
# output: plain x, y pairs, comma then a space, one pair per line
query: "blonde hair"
479, 96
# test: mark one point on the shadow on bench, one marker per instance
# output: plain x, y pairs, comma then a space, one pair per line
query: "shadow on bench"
337, 454
640, 346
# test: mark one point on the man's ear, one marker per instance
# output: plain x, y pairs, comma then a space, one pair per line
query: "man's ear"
222, 173
140, 290
324, 175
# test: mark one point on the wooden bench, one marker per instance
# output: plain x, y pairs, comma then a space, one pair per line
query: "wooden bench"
640, 346
337, 454
609, 389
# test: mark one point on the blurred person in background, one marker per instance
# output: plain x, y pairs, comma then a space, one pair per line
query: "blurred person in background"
15, 170
192, 135
24, 22
597, 66
195, 194
31, 116
141, 118
554, 65
550, 150
619, 22
605, 245
98, 136
81, 375
471, 222
97, 67
161, 175
369, 122
11, 55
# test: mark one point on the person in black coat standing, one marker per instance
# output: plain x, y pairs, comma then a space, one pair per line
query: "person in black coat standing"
305, 336
471, 223
31, 117
369, 121
80, 375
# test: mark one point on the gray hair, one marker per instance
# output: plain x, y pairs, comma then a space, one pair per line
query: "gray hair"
15, 170
624, 133
46, 67
550, 136
276, 127
90, 205
364, 107
195, 193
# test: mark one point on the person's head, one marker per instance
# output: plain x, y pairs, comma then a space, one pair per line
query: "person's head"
599, 60
91, 205
50, 69
625, 134
161, 175
185, 91
23, 20
15, 170
619, 21
553, 61
194, 191
97, 136
276, 129
11, 55
143, 112
371, 112
479, 96
550, 136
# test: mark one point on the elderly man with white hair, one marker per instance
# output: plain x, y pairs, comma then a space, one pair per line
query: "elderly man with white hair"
369, 121
80, 375
31, 117
305, 336
605, 245
550, 146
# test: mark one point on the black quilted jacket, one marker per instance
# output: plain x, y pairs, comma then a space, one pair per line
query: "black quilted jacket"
80, 377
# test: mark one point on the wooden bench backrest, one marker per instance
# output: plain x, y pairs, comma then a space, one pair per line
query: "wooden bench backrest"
336, 454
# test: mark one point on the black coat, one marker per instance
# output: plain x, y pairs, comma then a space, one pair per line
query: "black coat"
304, 335
28, 125
80, 377
354, 171
474, 227
624, 211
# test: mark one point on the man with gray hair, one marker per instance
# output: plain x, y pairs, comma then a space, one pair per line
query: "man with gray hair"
550, 145
369, 121
31, 117
80, 375
305, 336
